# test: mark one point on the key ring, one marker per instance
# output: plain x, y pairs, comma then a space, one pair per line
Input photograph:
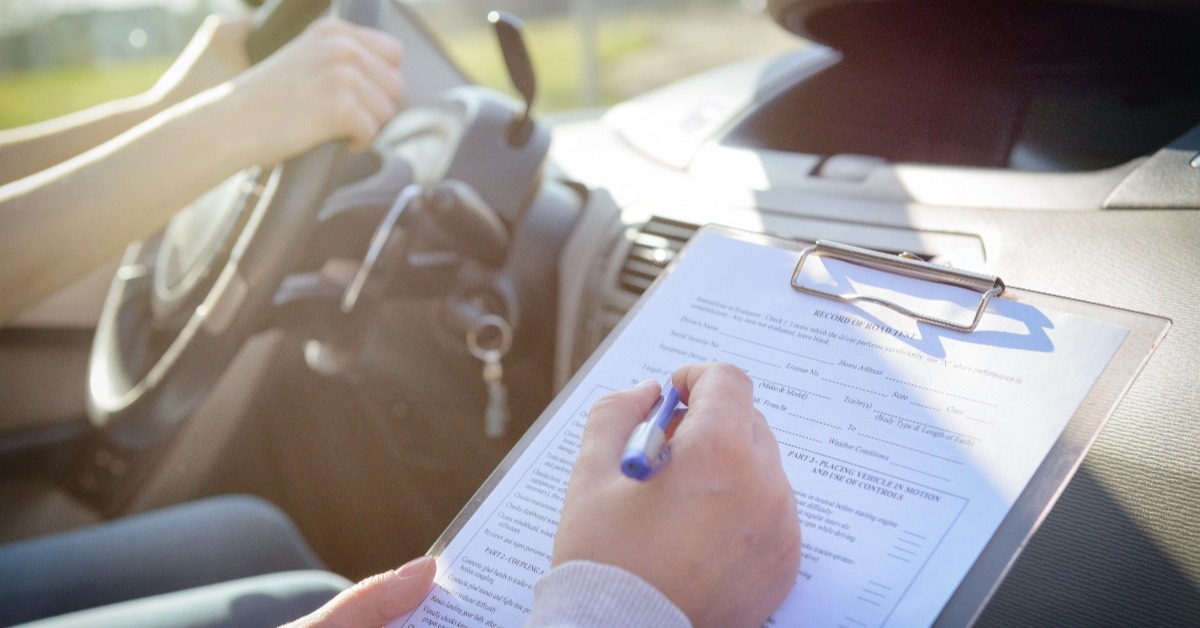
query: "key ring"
481, 325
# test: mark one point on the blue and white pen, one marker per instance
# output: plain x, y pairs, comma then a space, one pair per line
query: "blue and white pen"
647, 448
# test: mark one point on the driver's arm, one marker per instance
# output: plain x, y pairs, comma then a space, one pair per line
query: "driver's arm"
335, 80
215, 54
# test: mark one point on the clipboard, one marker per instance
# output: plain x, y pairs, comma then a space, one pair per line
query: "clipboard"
1065, 457
1034, 501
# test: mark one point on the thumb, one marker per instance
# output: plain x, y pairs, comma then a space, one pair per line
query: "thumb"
613, 418
378, 599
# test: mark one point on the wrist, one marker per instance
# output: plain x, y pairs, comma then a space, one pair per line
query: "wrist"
212, 130
233, 137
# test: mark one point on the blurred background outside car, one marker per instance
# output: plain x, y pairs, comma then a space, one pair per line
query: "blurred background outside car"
59, 56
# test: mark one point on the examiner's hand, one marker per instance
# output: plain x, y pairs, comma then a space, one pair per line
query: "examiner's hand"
376, 600
716, 529
334, 81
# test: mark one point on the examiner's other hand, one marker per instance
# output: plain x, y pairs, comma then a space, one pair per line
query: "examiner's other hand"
376, 600
716, 529
334, 81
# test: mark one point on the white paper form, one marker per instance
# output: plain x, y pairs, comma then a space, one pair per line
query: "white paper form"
905, 444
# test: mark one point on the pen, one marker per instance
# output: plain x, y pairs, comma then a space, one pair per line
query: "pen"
646, 450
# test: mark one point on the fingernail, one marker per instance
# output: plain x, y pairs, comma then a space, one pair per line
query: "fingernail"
646, 382
414, 566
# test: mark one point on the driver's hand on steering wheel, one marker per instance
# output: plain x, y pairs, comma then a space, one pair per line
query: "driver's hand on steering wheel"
64, 181
334, 81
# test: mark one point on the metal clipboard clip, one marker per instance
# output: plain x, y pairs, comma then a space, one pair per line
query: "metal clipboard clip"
905, 264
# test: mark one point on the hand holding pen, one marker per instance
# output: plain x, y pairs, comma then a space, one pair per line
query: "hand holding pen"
716, 529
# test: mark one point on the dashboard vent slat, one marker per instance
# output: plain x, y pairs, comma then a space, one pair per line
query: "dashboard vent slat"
653, 247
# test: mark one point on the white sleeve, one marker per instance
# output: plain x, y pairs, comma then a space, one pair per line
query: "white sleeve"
584, 594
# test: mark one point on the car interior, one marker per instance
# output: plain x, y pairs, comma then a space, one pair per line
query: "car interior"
360, 338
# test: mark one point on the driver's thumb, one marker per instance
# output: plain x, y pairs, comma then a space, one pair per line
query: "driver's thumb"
378, 599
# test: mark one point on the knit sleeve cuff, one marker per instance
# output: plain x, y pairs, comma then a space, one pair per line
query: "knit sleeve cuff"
584, 594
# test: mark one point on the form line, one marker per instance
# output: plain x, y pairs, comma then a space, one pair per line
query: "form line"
829, 425
960, 416
942, 392
753, 342
936, 477
866, 390
959, 462
746, 357
815, 440
937, 427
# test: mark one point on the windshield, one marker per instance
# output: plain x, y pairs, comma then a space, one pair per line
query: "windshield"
594, 53
59, 56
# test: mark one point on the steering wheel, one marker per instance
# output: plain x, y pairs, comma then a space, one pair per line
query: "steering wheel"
182, 303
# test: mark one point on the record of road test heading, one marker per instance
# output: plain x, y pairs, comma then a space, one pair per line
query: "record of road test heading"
927, 419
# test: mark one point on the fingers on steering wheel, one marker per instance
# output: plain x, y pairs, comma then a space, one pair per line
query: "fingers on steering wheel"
370, 71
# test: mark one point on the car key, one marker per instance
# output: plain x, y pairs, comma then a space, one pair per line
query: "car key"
489, 339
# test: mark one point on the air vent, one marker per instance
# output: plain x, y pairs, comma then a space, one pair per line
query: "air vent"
652, 249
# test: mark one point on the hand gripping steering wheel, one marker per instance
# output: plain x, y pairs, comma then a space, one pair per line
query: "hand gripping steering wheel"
182, 303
